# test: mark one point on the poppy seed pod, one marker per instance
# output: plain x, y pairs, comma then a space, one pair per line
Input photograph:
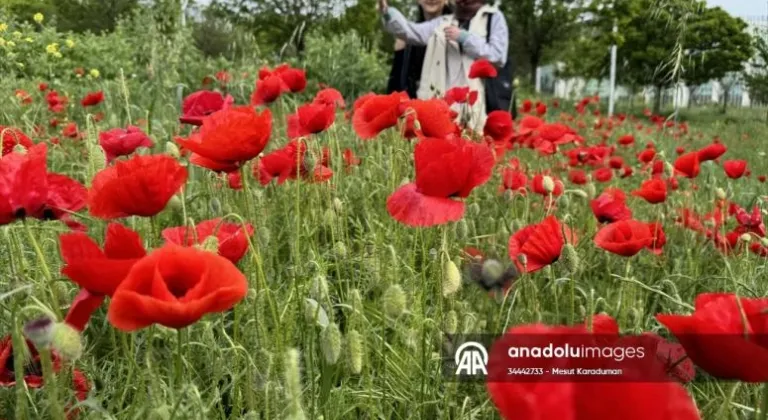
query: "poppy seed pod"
66, 341
355, 350
394, 301
330, 343
451, 278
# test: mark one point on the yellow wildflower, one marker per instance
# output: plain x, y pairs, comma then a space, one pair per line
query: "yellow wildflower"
29, 39
52, 48
20, 65
70, 43
57, 54
38, 17
3, 27
2, 42
10, 44
17, 34
95, 73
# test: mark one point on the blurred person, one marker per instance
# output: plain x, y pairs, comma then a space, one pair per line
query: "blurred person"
409, 58
453, 42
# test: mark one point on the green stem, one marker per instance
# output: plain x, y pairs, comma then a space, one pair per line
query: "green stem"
51, 388
178, 371
763, 414
45, 269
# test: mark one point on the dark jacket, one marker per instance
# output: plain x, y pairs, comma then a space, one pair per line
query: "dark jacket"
406, 65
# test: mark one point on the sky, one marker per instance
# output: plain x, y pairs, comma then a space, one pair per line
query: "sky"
742, 8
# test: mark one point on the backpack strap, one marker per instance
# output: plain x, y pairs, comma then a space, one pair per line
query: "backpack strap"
488, 28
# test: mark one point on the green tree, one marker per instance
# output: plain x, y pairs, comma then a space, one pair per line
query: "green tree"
95, 16
539, 27
757, 77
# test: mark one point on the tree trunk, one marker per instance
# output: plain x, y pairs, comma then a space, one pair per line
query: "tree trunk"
534, 60
725, 100
657, 100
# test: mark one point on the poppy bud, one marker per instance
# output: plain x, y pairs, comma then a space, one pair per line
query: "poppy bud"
174, 204
474, 209
293, 385
330, 343
720, 193
210, 244
745, 237
582, 312
314, 313
338, 205
570, 259
96, 157
263, 362
66, 341
404, 182
509, 195
319, 290
355, 349
548, 183
215, 205
39, 332
564, 201
764, 241
451, 323
516, 82
394, 301
340, 249
264, 236
591, 190
451, 278
329, 217
462, 230
161, 413
503, 231
18, 148
172, 150
432, 254
579, 192
412, 339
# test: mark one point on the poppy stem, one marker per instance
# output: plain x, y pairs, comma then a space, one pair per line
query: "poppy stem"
178, 371
49, 379
763, 412
45, 269
19, 348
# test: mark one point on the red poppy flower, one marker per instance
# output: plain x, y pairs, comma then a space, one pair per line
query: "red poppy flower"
611, 206
70, 130
28, 190
433, 117
749, 222
378, 113
202, 103
96, 270
232, 237
688, 165
82, 308
56, 103
627, 140
541, 244
625, 237
290, 162
513, 179
139, 186
724, 336
122, 142
735, 169
644, 392
526, 106
230, 138
679, 150
658, 238
42, 87
578, 177
616, 162
316, 118
602, 174
444, 169
23, 96
349, 158
33, 376
11, 137
294, 79
653, 191
646, 156
541, 109
460, 95
762, 178
92, 99
175, 286
482, 69
499, 126
329, 96
267, 90
712, 152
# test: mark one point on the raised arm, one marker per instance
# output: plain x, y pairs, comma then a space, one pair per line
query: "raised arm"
413, 33
493, 50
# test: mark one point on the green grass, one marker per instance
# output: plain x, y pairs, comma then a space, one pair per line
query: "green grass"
339, 235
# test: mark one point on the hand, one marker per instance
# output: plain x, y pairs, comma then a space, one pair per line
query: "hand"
383, 6
452, 33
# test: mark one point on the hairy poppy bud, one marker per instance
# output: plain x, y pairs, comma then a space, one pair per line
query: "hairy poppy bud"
764, 241
474, 209
215, 205
340, 249
462, 230
264, 236
18, 148
581, 193
491, 271
451, 278
97, 160
329, 217
293, 385
548, 183
745, 237
39, 332
319, 290
263, 362
174, 204
338, 205
172, 150
355, 349
66, 341
330, 343
394, 301
570, 259
591, 190
451, 323
720, 193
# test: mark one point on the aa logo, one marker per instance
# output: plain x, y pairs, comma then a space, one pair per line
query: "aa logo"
471, 359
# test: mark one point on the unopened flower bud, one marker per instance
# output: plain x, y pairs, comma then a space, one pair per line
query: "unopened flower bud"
745, 237
570, 258
96, 157
66, 341
330, 343
293, 385
579, 192
720, 193
474, 209
394, 301
210, 244
18, 148
355, 349
548, 183
462, 230
451, 323
492, 270
338, 205
264, 236
451, 278
340, 249
319, 290
172, 150
174, 204
591, 190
